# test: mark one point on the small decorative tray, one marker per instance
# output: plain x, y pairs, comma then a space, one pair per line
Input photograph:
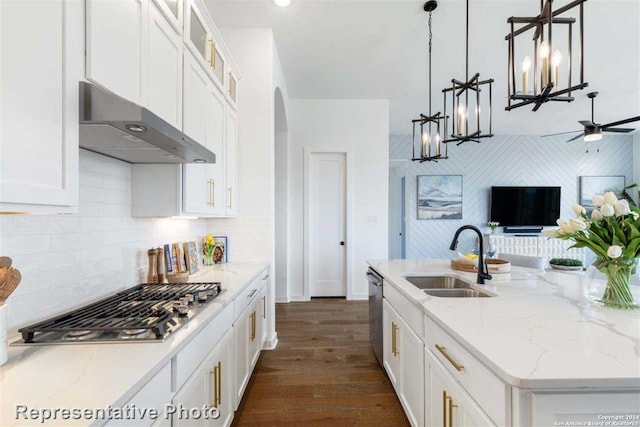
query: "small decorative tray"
494, 266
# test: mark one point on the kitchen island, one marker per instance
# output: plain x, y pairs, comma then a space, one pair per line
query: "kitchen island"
97, 376
547, 354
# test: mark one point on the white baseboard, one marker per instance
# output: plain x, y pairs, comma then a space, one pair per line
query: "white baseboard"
282, 300
359, 297
272, 343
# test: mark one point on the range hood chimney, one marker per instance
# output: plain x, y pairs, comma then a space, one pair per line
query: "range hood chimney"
118, 128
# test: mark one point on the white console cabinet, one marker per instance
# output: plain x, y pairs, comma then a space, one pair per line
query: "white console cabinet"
536, 246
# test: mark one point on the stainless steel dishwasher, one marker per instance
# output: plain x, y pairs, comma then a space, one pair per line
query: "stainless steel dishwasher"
375, 312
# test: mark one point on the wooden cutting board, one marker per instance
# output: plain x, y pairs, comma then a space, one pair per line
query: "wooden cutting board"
494, 266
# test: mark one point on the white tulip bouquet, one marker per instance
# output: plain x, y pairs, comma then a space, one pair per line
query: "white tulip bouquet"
612, 233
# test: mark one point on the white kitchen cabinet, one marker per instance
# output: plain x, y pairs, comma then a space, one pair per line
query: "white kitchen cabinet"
116, 44
204, 117
246, 338
231, 163
173, 11
263, 315
448, 404
41, 58
164, 74
403, 360
209, 386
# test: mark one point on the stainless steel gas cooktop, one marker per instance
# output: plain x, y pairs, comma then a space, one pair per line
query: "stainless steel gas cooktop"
144, 313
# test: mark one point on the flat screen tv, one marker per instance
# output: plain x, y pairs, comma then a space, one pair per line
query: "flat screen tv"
525, 206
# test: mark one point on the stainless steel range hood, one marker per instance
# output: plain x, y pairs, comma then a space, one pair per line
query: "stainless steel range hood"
118, 128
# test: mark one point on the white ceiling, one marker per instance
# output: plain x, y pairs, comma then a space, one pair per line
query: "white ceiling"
377, 49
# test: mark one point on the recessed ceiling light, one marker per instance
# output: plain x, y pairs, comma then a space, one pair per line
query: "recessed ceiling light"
282, 3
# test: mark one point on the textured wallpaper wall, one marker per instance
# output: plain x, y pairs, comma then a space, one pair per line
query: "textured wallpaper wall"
503, 160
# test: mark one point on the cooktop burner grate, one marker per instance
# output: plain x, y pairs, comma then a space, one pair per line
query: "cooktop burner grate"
145, 311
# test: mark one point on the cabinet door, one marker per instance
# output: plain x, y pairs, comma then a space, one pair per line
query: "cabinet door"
197, 35
116, 33
254, 333
221, 384
411, 374
165, 69
41, 57
242, 335
172, 10
391, 352
448, 404
196, 183
263, 315
231, 163
194, 394
214, 141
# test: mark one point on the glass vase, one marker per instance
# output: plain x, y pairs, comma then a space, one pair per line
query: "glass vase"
208, 259
613, 283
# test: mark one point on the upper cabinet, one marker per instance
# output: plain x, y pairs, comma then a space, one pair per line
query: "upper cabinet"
207, 114
173, 11
165, 68
204, 41
41, 63
116, 44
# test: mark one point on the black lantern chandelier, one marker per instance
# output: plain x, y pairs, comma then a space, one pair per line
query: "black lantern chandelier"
428, 126
552, 34
467, 119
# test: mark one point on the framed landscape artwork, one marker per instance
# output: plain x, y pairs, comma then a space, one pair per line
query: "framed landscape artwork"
591, 185
440, 197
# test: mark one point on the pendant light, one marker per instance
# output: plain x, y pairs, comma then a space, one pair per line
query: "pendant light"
428, 126
468, 120
551, 80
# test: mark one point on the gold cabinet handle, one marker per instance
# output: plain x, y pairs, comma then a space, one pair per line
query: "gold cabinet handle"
394, 339
212, 61
444, 408
214, 383
210, 195
252, 293
230, 203
451, 360
451, 406
219, 387
253, 327
264, 307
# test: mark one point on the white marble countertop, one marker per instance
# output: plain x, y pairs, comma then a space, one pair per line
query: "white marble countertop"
98, 375
538, 332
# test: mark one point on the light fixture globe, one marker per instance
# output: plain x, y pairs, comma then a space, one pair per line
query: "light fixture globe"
282, 3
593, 134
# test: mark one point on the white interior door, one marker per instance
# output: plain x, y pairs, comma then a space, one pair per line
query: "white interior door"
326, 224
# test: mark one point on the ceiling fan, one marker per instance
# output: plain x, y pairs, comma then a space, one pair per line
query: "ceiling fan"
593, 131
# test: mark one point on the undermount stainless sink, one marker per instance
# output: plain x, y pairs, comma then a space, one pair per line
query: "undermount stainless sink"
455, 293
446, 287
437, 282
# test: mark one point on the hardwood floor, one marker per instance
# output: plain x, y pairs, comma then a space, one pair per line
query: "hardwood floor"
323, 372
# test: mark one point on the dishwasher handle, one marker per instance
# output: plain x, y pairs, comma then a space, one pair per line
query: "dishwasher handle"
374, 278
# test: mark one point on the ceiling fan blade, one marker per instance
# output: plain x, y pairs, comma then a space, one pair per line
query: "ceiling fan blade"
618, 130
574, 138
587, 123
560, 133
621, 122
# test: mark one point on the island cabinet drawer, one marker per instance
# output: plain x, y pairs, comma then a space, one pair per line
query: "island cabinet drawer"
199, 347
409, 312
247, 295
491, 394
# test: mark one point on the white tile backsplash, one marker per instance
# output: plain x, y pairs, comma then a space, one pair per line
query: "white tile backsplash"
69, 260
